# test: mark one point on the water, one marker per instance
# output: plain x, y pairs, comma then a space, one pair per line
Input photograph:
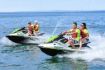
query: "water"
29, 57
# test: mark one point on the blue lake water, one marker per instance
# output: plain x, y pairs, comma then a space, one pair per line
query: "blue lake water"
29, 57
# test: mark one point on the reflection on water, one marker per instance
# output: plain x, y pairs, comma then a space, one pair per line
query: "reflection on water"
29, 57
24, 57
63, 64
17, 57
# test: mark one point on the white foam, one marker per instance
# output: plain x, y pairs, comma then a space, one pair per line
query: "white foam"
6, 41
97, 52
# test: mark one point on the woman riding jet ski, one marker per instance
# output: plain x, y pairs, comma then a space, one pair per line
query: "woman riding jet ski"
84, 34
66, 42
26, 36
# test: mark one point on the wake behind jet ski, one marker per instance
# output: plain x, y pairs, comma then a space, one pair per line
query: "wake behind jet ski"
63, 44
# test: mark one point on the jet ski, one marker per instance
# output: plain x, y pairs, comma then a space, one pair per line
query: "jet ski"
58, 45
20, 36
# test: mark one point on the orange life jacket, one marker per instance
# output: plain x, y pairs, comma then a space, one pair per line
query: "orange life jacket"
36, 27
83, 33
74, 33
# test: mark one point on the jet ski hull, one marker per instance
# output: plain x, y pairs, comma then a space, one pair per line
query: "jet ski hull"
24, 39
17, 39
53, 51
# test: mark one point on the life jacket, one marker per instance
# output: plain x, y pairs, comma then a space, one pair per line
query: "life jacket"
36, 27
30, 28
75, 34
84, 33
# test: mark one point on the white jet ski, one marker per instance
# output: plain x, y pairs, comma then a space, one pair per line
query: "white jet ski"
57, 45
20, 36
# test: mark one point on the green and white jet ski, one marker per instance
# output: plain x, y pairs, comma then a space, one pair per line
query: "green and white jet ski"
58, 45
20, 36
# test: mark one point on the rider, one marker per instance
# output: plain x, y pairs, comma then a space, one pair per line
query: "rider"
36, 27
30, 29
75, 35
84, 34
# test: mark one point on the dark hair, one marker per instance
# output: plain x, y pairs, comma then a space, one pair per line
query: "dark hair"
84, 24
29, 22
75, 23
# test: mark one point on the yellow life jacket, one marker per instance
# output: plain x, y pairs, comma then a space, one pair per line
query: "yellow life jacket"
75, 34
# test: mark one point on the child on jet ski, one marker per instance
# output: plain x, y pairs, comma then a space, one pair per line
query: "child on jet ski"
84, 34
75, 35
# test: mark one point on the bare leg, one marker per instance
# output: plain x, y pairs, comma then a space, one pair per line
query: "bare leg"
71, 43
81, 41
80, 44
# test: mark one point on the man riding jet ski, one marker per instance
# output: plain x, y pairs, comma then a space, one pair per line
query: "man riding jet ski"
66, 42
24, 36
75, 35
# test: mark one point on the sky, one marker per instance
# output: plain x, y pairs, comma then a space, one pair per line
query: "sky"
51, 5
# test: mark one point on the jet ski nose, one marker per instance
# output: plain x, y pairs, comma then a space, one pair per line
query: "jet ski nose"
40, 45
